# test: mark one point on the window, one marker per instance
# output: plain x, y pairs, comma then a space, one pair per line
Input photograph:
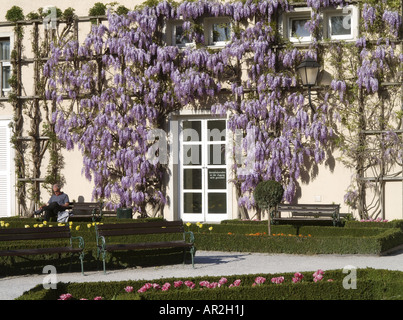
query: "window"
341, 24
294, 25
298, 29
179, 38
219, 31
5, 65
336, 24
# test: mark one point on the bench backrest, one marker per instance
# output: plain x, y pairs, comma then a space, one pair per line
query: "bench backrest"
134, 228
85, 206
309, 208
13, 234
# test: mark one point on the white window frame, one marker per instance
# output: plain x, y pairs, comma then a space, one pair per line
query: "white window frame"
286, 19
170, 34
175, 24
346, 11
6, 63
209, 25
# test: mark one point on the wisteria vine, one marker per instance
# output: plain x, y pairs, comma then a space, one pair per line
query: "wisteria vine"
125, 81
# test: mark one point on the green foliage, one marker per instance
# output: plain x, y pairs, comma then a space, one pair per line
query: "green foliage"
68, 14
15, 14
33, 15
268, 194
99, 9
122, 10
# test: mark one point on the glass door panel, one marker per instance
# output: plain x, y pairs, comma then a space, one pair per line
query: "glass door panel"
217, 179
203, 170
217, 203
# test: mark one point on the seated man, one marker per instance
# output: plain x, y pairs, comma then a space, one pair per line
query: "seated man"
58, 202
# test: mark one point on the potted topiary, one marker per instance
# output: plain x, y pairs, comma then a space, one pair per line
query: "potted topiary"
268, 194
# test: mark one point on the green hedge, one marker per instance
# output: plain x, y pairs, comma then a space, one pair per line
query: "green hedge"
371, 285
374, 224
236, 236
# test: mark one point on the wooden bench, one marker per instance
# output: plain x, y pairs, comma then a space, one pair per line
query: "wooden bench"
106, 231
302, 213
85, 211
29, 234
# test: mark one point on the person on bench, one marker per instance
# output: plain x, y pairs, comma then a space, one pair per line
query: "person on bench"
58, 202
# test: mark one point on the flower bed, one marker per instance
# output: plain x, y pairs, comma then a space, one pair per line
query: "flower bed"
371, 284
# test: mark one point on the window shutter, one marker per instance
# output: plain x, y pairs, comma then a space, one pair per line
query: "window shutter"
5, 167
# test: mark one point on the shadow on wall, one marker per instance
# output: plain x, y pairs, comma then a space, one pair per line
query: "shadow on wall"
311, 171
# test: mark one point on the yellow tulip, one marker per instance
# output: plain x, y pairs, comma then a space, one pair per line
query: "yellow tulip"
77, 228
188, 224
35, 225
41, 225
89, 225
7, 225
70, 223
26, 226
211, 228
45, 223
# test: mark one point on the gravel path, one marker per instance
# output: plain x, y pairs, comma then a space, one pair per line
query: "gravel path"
211, 263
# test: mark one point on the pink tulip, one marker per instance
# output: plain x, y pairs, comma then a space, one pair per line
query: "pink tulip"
190, 284
142, 289
66, 296
166, 286
222, 281
277, 280
297, 277
237, 283
98, 298
319, 272
178, 284
260, 280
129, 289
204, 283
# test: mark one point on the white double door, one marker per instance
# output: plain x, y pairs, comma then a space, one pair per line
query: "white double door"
203, 174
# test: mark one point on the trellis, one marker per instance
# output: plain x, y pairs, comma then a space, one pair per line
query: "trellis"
40, 143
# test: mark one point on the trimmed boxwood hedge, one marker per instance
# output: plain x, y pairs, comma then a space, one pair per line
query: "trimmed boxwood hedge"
371, 285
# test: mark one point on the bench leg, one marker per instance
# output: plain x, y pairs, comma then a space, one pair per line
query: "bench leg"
103, 261
192, 252
82, 263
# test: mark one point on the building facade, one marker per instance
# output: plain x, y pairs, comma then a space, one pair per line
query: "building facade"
199, 180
